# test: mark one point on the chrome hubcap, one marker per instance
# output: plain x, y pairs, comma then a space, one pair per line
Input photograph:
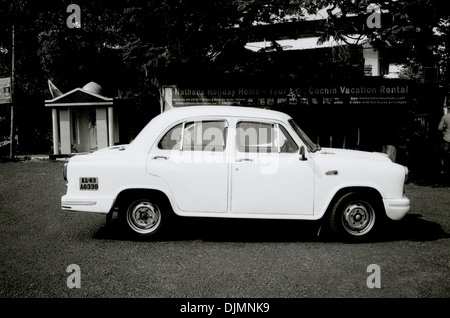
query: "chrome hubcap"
143, 217
358, 218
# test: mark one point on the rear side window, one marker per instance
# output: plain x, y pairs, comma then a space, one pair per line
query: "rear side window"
196, 136
171, 139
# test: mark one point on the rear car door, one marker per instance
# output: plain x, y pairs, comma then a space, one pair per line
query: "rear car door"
192, 158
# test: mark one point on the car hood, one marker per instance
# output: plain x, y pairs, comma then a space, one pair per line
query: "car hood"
353, 154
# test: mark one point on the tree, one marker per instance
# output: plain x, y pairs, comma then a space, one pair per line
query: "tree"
176, 39
420, 28
132, 47
128, 47
47, 49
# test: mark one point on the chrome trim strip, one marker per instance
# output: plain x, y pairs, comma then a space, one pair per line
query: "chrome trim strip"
65, 203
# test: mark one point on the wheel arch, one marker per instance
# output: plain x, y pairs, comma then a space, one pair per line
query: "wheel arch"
355, 230
363, 190
125, 194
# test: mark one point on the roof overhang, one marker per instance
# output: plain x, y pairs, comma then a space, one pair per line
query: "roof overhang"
79, 97
303, 44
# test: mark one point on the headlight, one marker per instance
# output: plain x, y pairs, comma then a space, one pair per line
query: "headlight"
65, 171
406, 173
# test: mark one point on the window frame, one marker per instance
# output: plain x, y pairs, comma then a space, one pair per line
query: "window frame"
182, 135
275, 125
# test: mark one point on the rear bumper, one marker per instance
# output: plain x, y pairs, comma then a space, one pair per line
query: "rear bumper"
396, 208
99, 205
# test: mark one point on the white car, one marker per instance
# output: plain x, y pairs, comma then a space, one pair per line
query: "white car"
235, 162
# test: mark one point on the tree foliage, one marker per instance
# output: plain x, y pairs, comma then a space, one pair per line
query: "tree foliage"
132, 47
420, 28
135, 46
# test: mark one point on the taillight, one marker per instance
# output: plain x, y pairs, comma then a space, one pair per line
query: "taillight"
406, 174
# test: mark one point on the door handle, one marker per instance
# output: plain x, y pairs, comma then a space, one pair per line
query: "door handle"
245, 160
160, 157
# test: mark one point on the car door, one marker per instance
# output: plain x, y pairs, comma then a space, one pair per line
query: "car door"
192, 158
267, 174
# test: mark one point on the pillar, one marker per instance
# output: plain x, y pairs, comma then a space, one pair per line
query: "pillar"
66, 131
55, 131
102, 128
110, 126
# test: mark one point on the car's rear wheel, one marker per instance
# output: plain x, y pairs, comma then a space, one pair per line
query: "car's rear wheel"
143, 217
353, 216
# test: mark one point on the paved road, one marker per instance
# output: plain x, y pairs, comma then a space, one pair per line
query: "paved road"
209, 258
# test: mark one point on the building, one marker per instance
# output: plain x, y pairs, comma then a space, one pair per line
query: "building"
83, 120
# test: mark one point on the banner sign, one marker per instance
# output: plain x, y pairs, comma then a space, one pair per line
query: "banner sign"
385, 93
5, 90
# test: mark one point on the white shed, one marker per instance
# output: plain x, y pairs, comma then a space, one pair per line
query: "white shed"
83, 120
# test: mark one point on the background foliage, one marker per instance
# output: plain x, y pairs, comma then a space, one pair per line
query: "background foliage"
131, 47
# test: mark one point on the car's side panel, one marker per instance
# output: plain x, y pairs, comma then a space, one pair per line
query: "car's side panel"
198, 181
115, 173
272, 183
211, 185
334, 174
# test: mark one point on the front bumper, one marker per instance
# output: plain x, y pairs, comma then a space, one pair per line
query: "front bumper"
396, 208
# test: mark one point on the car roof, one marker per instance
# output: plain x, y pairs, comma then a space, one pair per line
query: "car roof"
155, 127
229, 111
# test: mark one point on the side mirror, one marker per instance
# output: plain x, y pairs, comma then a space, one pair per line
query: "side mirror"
302, 154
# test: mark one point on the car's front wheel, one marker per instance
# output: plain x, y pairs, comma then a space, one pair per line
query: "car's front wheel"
143, 217
353, 216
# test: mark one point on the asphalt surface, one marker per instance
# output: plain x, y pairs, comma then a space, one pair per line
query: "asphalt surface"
209, 258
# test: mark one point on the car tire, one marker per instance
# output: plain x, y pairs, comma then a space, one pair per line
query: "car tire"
353, 217
142, 217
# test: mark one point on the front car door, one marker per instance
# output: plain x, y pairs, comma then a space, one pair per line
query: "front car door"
267, 175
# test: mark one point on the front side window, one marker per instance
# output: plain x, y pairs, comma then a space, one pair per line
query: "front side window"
256, 137
196, 136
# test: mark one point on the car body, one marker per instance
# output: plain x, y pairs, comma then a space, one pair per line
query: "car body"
235, 162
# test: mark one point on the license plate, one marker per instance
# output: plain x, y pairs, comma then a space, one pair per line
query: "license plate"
90, 183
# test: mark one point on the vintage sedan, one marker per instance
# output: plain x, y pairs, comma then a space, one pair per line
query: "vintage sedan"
235, 162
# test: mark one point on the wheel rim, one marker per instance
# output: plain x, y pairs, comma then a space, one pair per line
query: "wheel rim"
358, 218
143, 217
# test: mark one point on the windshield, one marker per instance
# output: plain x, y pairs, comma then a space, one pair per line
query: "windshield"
304, 137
